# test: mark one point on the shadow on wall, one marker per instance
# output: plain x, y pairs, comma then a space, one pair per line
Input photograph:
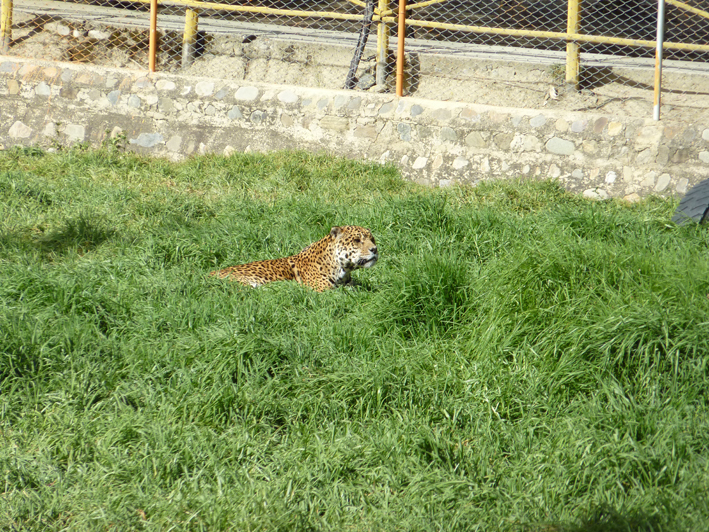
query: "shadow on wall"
412, 74
594, 77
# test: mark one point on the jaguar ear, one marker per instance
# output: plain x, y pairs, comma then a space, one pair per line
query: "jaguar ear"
335, 232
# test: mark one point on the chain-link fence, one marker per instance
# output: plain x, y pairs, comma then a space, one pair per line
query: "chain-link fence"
603, 49
104, 32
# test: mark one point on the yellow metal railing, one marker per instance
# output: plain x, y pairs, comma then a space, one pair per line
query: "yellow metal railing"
189, 37
689, 8
196, 4
5, 25
385, 17
573, 52
382, 44
383, 14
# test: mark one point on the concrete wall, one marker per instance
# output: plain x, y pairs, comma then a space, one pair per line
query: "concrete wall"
432, 142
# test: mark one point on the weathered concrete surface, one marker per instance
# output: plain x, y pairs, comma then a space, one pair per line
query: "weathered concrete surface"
432, 142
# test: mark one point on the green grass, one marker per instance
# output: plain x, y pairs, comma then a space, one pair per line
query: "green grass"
519, 359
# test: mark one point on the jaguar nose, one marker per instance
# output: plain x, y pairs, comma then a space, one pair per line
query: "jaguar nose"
373, 249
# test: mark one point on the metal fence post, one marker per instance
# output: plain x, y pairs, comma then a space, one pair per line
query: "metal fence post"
400, 49
5, 26
153, 35
189, 39
658, 58
382, 44
572, 47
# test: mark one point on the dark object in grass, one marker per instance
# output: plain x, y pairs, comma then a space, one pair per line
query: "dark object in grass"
694, 205
324, 264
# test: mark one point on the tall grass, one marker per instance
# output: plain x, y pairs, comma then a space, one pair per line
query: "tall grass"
519, 359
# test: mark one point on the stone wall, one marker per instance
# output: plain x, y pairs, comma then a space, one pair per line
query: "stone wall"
432, 142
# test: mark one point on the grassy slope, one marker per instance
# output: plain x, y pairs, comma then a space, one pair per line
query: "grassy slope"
519, 358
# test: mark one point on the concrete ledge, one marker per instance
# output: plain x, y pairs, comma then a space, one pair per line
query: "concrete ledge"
432, 142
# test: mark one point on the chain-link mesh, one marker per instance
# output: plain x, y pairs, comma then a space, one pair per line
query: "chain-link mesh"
499, 52
291, 42
616, 49
685, 71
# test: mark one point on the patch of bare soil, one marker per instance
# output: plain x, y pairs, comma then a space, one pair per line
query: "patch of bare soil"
50, 39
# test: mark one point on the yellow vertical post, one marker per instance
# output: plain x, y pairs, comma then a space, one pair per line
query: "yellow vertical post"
572, 48
153, 45
382, 44
189, 39
400, 49
5, 26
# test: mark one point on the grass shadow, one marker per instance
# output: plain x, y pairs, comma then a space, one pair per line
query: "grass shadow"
358, 285
83, 233
604, 518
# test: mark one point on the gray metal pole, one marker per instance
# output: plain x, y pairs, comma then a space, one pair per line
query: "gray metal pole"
658, 58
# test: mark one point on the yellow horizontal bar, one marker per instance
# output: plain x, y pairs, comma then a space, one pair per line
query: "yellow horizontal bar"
676, 3
263, 10
598, 39
687, 7
357, 3
409, 7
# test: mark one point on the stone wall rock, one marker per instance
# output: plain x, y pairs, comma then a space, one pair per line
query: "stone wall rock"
432, 142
